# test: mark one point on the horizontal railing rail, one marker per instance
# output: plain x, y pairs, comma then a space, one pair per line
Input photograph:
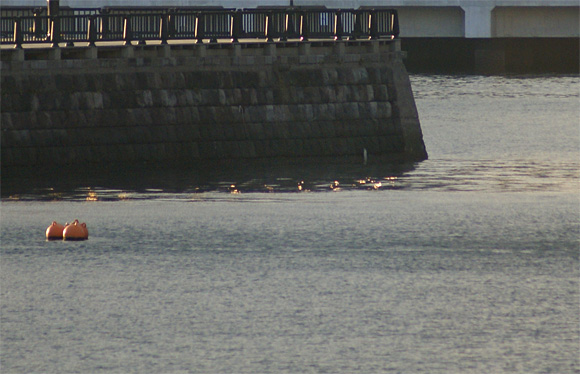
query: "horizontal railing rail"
24, 25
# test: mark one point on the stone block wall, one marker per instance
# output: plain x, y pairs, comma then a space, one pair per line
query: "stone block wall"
192, 108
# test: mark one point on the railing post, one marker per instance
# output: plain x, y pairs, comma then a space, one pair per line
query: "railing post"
289, 29
284, 33
104, 24
53, 7
92, 31
373, 25
54, 31
395, 16
17, 33
304, 26
338, 31
200, 27
127, 30
164, 28
269, 26
356, 32
37, 24
236, 28
171, 24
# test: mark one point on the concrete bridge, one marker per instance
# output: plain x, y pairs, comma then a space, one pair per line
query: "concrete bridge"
489, 18
418, 18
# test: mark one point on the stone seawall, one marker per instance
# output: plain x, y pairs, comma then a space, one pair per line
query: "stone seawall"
195, 103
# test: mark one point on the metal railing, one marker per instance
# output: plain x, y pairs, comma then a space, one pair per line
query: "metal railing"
142, 25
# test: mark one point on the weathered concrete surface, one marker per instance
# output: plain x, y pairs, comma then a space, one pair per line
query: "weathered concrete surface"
203, 104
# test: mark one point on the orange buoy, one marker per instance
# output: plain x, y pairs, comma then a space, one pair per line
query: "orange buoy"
75, 231
54, 231
84, 226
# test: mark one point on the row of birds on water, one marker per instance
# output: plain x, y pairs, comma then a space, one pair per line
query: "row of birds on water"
79, 231
68, 231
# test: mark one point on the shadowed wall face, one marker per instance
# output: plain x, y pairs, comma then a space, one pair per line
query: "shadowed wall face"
208, 108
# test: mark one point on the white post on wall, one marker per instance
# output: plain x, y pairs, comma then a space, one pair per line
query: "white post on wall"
477, 21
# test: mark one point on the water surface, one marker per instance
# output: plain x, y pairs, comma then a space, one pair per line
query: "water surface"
467, 262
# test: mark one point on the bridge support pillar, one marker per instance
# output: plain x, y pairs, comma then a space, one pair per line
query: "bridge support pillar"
304, 49
477, 21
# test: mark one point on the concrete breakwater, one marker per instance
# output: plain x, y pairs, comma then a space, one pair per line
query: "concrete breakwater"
189, 103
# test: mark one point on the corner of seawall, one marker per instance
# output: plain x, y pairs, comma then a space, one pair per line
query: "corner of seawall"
217, 106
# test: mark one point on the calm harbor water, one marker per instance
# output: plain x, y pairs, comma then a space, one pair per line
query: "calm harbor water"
465, 263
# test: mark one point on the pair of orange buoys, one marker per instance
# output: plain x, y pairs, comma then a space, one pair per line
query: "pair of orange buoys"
69, 231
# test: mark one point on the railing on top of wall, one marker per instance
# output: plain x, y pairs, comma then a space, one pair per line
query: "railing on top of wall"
140, 25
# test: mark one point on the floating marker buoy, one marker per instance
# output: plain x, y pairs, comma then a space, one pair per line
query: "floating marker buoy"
84, 226
75, 231
54, 231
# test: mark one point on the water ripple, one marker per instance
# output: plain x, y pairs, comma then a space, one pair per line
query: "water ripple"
495, 176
